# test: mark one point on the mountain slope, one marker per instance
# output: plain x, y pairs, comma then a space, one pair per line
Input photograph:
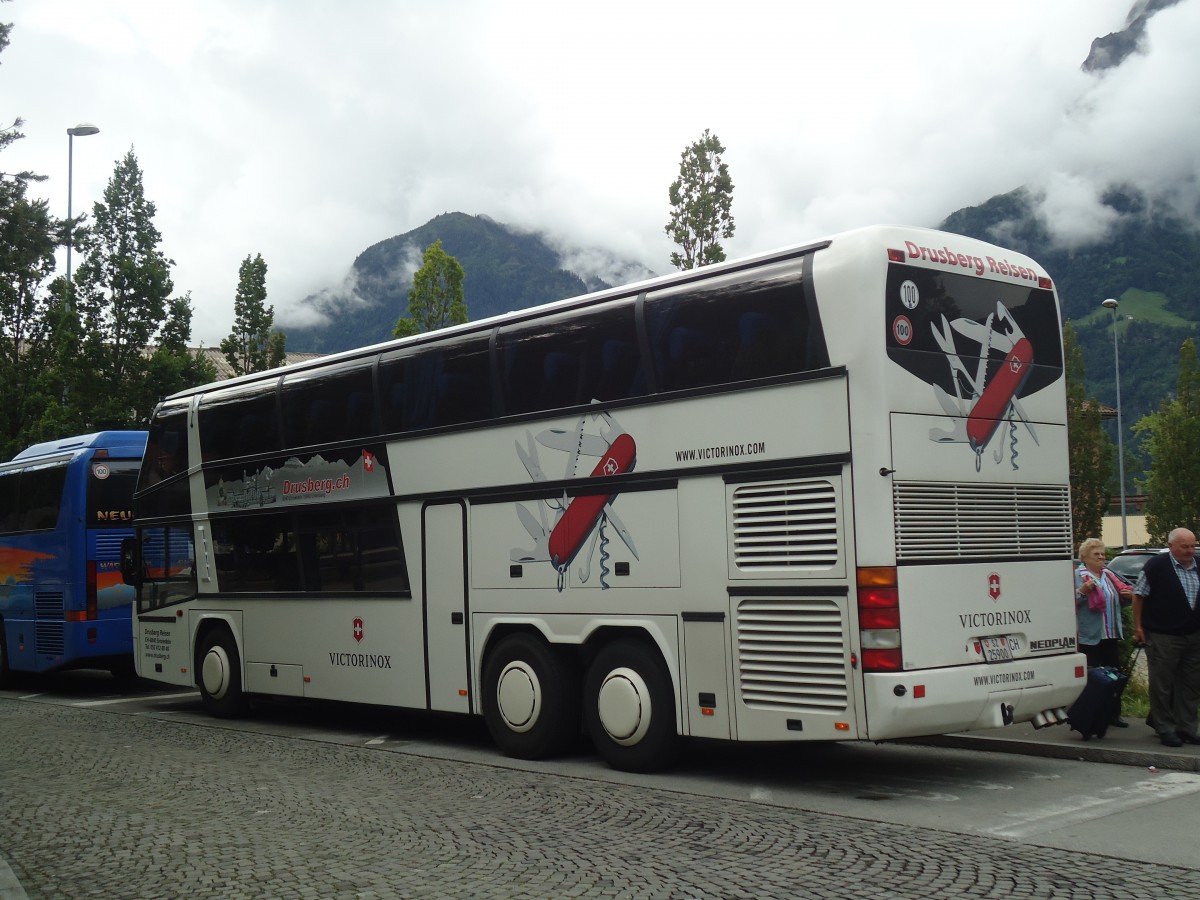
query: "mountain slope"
505, 270
1149, 261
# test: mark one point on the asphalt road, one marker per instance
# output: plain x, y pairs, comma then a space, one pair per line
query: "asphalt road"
136, 793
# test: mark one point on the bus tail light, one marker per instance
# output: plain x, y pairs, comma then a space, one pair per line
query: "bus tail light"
91, 589
879, 619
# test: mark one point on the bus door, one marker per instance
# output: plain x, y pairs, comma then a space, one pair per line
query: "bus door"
447, 642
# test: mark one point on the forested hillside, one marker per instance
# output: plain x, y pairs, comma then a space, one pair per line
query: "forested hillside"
505, 270
1149, 261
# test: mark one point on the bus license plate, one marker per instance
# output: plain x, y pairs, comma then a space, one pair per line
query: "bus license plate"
996, 649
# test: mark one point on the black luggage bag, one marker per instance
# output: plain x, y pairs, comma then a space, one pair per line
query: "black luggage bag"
1100, 701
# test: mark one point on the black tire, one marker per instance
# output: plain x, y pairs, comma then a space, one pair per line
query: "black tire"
531, 693
124, 671
629, 707
6, 676
219, 675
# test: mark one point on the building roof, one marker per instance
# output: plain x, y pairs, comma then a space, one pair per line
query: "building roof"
224, 370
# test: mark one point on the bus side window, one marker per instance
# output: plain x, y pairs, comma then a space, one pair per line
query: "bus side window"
560, 381
621, 373
256, 553
463, 386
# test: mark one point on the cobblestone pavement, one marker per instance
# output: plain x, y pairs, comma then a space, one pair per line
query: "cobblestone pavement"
95, 805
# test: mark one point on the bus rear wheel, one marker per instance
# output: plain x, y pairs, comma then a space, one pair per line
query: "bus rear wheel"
5, 674
531, 693
219, 675
629, 707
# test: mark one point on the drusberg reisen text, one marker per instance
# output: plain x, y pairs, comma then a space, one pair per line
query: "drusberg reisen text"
979, 264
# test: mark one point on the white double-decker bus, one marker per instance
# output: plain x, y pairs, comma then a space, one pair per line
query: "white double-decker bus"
819, 494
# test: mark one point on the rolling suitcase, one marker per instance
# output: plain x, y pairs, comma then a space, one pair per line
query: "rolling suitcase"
1100, 701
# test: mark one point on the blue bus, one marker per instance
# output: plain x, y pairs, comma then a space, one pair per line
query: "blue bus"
65, 508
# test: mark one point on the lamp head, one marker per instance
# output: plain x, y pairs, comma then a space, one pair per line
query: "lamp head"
83, 130
1110, 304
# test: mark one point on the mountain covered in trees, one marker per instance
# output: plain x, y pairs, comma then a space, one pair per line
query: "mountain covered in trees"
505, 270
1149, 261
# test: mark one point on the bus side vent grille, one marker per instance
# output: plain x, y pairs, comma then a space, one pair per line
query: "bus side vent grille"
936, 521
785, 525
791, 654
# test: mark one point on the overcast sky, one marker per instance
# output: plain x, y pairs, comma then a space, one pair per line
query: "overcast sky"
307, 131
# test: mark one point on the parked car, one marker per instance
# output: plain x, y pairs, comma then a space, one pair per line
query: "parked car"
1127, 565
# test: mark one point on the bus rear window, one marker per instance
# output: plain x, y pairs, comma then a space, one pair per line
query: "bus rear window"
110, 489
30, 498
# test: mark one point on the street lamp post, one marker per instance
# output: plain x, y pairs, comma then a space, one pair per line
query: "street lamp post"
1112, 305
81, 130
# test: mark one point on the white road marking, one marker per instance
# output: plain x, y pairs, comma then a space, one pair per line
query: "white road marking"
1072, 811
176, 696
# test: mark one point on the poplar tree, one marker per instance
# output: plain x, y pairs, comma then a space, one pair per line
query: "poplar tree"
1091, 451
249, 347
1171, 436
436, 297
700, 201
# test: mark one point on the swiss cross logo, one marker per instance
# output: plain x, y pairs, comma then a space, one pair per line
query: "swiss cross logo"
368, 461
1016, 364
994, 586
358, 628
610, 466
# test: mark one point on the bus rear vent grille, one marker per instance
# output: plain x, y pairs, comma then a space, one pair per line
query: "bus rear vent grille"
108, 544
49, 632
936, 521
785, 524
49, 604
791, 654
50, 638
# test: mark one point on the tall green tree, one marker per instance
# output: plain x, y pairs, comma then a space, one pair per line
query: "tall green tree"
29, 236
700, 201
1172, 438
436, 297
1090, 449
248, 347
123, 311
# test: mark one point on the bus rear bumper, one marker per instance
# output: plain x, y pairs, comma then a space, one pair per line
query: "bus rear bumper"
969, 698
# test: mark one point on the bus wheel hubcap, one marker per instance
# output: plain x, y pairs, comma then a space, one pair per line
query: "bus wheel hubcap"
623, 703
519, 696
215, 672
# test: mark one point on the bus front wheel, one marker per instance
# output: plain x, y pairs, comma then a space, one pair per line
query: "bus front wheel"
629, 707
531, 695
220, 675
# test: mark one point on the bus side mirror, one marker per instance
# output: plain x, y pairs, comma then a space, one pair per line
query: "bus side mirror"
131, 562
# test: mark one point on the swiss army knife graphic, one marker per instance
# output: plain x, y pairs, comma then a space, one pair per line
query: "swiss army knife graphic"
576, 519
983, 404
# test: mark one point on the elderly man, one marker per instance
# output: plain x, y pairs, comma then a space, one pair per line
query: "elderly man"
1166, 618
